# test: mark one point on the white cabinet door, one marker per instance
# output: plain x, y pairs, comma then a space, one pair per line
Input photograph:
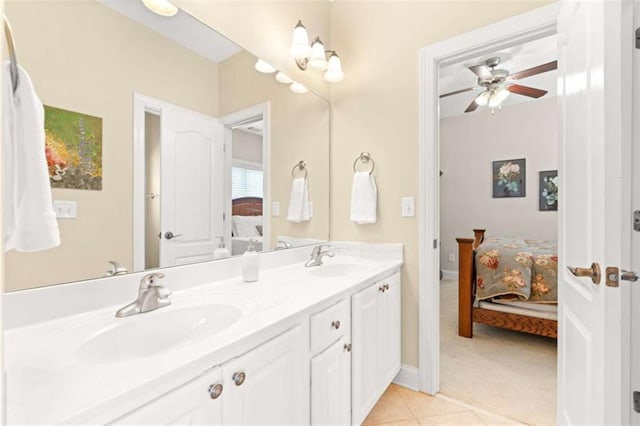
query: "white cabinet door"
268, 385
190, 404
365, 354
331, 385
390, 329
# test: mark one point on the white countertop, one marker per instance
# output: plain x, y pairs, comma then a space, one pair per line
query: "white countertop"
47, 383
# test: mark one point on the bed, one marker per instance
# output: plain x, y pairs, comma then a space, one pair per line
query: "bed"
508, 283
246, 224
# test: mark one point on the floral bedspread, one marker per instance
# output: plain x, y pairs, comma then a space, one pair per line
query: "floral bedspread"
513, 268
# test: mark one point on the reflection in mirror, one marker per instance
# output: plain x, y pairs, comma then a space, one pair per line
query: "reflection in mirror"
196, 147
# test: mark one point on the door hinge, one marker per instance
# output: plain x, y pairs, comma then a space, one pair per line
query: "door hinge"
224, 217
435, 243
638, 38
636, 401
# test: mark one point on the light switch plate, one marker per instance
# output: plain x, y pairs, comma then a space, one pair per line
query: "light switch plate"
408, 206
65, 209
275, 208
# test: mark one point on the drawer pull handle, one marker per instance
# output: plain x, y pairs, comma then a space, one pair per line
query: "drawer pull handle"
238, 377
381, 288
335, 324
347, 347
386, 286
215, 391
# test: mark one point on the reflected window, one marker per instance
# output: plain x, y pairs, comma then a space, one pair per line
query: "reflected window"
246, 182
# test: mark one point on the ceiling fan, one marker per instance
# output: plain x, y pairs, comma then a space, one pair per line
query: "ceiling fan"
498, 83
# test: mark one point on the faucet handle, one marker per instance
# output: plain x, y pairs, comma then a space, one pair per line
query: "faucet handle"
317, 249
150, 280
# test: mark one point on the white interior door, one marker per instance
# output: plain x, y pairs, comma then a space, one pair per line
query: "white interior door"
192, 186
593, 318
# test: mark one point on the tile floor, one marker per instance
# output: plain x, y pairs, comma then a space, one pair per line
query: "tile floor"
400, 406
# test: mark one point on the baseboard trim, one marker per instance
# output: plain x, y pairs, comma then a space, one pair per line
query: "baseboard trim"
449, 275
408, 377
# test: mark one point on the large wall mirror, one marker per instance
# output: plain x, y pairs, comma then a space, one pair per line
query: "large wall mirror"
163, 141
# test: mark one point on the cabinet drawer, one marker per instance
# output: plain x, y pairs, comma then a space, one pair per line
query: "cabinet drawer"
329, 325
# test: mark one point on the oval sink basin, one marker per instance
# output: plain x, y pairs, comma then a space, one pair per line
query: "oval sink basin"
152, 332
334, 270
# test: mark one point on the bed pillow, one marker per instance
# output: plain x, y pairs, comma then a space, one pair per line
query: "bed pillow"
245, 226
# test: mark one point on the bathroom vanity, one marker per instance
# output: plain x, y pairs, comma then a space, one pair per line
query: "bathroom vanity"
303, 345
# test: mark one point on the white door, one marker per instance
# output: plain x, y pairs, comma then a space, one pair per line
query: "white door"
195, 403
593, 319
331, 385
192, 186
390, 328
268, 385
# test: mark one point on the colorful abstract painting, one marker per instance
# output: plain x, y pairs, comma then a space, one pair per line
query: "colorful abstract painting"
549, 190
73, 145
509, 178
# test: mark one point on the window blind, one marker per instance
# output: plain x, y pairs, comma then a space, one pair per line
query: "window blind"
246, 183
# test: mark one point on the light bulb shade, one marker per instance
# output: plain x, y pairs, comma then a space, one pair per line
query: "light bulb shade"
318, 60
300, 48
483, 98
283, 78
298, 88
499, 96
334, 72
161, 7
262, 66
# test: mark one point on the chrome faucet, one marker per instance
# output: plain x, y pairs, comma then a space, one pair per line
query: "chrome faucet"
116, 269
282, 245
317, 254
151, 296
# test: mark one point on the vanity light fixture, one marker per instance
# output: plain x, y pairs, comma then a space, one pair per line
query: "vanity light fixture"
283, 78
161, 7
263, 67
315, 56
298, 87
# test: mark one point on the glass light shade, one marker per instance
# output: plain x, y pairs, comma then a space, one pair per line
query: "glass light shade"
298, 88
498, 96
483, 98
262, 66
161, 7
283, 78
300, 48
318, 60
334, 72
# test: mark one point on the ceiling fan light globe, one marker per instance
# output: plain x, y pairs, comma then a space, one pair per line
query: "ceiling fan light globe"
498, 96
483, 98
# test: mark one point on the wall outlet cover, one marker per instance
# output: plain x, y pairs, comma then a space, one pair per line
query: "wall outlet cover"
275, 208
408, 206
65, 209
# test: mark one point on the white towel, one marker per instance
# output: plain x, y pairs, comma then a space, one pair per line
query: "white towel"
299, 203
29, 222
364, 198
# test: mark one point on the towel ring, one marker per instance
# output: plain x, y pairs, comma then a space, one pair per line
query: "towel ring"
300, 165
364, 157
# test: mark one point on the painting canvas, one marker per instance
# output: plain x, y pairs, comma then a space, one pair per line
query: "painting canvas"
509, 178
549, 190
73, 145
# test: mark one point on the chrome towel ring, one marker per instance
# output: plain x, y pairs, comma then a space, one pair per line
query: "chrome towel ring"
364, 158
11, 46
302, 166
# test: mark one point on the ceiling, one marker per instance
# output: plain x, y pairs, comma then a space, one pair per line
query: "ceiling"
181, 28
517, 58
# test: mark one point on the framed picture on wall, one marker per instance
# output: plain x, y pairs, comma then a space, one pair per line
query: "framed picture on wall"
548, 197
509, 178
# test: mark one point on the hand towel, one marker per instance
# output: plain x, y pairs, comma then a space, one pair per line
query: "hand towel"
299, 203
364, 198
29, 222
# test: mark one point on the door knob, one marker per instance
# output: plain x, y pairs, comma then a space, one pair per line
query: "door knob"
335, 324
170, 235
593, 272
238, 377
215, 391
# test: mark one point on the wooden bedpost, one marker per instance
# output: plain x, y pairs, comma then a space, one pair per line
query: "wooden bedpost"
479, 237
465, 285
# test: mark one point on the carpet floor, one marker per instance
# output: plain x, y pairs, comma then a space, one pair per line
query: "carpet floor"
507, 372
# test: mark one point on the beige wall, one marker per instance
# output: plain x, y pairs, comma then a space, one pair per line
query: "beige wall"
375, 109
84, 57
299, 131
246, 147
469, 144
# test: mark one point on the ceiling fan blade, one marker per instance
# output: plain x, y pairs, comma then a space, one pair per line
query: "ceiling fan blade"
549, 66
482, 71
468, 89
526, 91
472, 106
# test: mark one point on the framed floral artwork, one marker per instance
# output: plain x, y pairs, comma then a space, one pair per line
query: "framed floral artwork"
548, 191
509, 178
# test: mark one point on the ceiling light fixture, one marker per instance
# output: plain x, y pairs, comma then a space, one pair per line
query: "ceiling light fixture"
298, 87
283, 78
315, 56
161, 7
264, 67
493, 97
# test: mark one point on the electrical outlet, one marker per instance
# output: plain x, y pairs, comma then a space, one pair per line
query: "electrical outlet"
452, 257
408, 206
275, 208
65, 209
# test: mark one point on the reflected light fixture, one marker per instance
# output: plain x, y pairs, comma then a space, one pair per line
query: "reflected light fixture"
298, 87
161, 7
264, 67
283, 78
314, 56
493, 97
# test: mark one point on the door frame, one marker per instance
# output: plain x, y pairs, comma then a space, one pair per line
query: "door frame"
538, 23
229, 121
